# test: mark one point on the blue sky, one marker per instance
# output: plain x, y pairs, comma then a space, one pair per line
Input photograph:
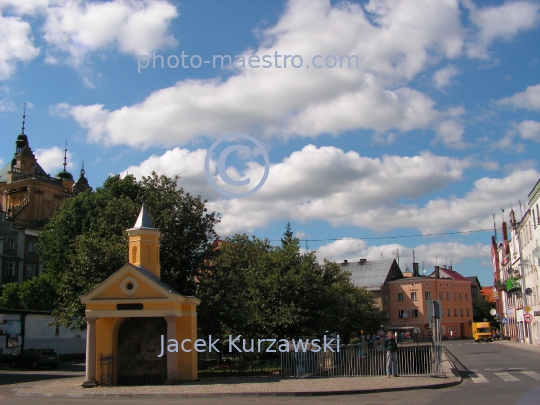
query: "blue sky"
435, 130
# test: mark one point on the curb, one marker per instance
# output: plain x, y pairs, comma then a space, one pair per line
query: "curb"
246, 394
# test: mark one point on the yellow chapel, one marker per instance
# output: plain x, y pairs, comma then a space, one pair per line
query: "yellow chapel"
132, 313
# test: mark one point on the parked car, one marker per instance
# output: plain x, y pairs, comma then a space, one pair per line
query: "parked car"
35, 358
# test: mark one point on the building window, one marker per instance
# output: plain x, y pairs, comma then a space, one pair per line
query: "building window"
440, 295
1, 246
449, 312
11, 243
400, 313
31, 247
461, 311
455, 311
414, 313
466, 296
468, 312
10, 269
447, 295
30, 271
454, 296
427, 295
413, 296
460, 297
386, 298
400, 297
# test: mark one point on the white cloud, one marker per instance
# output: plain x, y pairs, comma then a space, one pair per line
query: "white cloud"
188, 165
73, 28
15, 45
23, 7
355, 249
450, 132
499, 22
52, 159
443, 77
363, 192
529, 130
394, 41
6, 104
528, 99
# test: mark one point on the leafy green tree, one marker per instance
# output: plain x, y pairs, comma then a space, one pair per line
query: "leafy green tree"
187, 230
85, 241
9, 299
481, 308
223, 286
38, 293
254, 289
287, 236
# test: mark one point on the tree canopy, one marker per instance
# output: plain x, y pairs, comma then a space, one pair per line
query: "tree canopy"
85, 241
255, 289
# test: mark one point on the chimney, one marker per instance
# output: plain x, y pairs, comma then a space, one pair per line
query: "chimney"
362, 261
450, 268
415, 270
504, 231
345, 261
437, 273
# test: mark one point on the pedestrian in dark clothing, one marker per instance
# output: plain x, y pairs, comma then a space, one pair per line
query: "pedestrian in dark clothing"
390, 345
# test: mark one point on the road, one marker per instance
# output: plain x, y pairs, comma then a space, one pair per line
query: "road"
493, 373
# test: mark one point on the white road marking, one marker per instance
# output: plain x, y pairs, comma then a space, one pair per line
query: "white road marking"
478, 378
532, 374
507, 376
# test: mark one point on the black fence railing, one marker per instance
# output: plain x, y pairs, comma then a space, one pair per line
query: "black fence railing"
131, 371
141, 371
356, 360
236, 366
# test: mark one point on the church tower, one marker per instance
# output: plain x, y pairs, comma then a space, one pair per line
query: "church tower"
28, 195
144, 244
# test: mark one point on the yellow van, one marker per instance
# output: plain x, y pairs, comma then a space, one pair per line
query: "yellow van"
482, 331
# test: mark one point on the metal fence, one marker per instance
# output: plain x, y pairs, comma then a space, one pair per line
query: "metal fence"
357, 360
237, 366
106, 369
131, 371
141, 371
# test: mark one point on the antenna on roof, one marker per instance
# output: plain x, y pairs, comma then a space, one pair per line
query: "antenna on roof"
520, 211
23, 118
413, 256
436, 260
65, 156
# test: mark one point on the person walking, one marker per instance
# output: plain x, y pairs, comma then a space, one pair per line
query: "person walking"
390, 345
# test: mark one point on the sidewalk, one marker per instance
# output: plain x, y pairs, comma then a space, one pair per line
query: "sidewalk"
524, 346
249, 386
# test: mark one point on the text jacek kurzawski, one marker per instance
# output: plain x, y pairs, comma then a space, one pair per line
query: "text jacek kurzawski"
251, 345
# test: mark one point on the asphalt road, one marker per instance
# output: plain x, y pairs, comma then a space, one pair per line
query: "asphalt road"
493, 374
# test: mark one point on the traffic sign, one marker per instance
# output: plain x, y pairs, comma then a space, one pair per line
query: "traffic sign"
527, 318
527, 309
504, 321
